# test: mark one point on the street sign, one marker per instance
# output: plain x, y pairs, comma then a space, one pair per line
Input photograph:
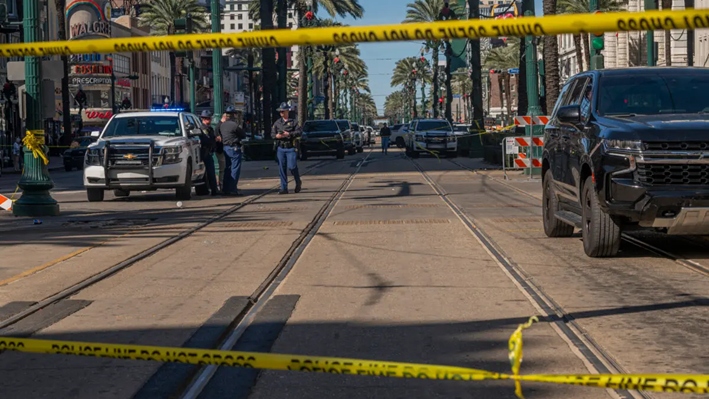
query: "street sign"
513, 71
511, 146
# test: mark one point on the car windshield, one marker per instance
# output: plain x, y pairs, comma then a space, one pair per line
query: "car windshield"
85, 141
161, 125
343, 125
318, 128
433, 125
659, 93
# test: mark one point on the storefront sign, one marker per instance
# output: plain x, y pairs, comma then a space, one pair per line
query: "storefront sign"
88, 19
91, 69
95, 115
89, 80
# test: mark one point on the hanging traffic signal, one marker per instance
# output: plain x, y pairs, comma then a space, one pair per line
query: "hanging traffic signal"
80, 98
440, 100
597, 40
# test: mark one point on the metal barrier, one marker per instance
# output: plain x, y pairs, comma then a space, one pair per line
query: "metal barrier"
514, 158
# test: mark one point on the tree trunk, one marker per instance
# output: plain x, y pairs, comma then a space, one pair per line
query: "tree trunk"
303, 91
587, 49
501, 87
667, 5
334, 95
579, 52
268, 65
449, 76
252, 93
551, 59
508, 94
434, 59
173, 73
66, 104
522, 103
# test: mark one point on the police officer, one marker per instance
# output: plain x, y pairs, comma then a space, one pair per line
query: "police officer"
232, 135
208, 143
285, 131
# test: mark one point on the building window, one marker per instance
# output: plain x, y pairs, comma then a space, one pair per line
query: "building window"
290, 15
232, 26
232, 7
239, 7
231, 17
251, 26
290, 24
241, 16
222, 26
241, 26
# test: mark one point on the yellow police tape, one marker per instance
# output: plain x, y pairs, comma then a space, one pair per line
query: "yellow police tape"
34, 141
341, 35
685, 383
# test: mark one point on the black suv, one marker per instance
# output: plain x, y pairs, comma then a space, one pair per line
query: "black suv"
628, 149
321, 138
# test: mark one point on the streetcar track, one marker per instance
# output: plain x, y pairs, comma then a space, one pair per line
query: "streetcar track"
584, 346
100, 276
260, 296
681, 260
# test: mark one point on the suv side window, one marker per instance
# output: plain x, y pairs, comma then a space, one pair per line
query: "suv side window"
577, 94
561, 101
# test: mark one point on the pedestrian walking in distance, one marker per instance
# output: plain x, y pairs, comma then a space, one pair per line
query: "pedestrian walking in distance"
219, 151
208, 143
232, 134
285, 131
385, 134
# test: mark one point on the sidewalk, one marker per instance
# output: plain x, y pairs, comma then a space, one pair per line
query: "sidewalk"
55, 163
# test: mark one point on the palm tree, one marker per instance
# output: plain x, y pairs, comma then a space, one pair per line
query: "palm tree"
429, 11
407, 69
551, 60
462, 85
324, 66
252, 58
160, 16
582, 7
504, 58
394, 105
334, 8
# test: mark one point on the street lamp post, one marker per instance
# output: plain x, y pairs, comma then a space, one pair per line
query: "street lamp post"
413, 93
422, 61
35, 181
217, 61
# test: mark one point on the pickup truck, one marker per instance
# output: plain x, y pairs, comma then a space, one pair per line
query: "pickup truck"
146, 151
628, 149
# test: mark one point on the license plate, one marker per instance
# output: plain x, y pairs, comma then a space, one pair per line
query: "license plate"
436, 146
132, 163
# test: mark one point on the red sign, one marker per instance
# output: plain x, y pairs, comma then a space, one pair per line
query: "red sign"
96, 114
91, 69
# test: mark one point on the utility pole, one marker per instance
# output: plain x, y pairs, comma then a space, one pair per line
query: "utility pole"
534, 109
649, 35
217, 61
35, 181
476, 95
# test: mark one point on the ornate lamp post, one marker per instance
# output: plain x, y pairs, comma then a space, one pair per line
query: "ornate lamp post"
413, 92
422, 67
309, 20
35, 181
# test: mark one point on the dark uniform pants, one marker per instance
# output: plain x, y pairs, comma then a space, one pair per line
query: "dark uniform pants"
211, 173
287, 159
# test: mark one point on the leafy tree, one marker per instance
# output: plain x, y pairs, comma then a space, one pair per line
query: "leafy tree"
504, 58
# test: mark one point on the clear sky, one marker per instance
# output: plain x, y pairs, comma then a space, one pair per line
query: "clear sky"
381, 57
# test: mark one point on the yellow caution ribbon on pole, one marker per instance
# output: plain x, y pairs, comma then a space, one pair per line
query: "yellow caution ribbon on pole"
34, 144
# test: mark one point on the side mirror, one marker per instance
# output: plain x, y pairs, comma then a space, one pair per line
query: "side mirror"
569, 114
190, 127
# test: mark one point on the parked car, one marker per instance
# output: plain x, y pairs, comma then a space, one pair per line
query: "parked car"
346, 130
431, 136
321, 137
398, 135
146, 151
627, 149
74, 156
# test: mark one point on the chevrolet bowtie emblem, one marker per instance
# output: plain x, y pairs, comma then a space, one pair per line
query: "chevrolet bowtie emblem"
129, 156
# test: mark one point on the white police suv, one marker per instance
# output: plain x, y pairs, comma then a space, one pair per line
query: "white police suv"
146, 151
431, 136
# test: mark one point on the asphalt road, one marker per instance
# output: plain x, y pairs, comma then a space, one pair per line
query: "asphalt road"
392, 272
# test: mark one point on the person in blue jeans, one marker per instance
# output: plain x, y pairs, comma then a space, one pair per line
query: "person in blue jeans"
285, 131
385, 134
231, 134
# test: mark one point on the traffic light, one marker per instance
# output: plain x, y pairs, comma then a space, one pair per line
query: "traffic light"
597, 42
80, 99
183, 26
8, 90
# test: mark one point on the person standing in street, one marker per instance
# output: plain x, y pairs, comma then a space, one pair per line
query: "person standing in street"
219, 151
285, 131
208, 143
16, 152
385, 134
231, 134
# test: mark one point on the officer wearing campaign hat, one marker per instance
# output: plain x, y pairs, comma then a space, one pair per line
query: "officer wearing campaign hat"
232, 134
208, 142
285, 132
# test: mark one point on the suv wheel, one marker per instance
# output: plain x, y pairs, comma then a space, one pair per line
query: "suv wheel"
553, 227
94, 194
400, 142
601, 233
185, 192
